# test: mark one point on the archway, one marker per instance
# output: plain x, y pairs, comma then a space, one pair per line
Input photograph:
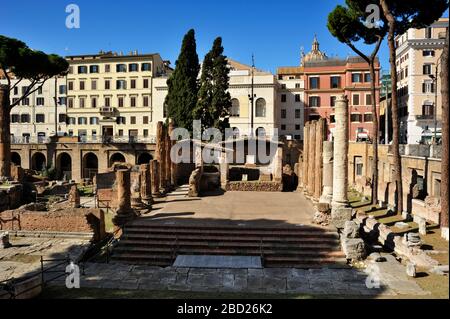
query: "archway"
144, 158
260, 132
38, 161
116, 158
64, 166
90, 165
16, 159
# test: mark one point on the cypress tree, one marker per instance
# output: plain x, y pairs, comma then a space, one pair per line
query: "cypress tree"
183, 85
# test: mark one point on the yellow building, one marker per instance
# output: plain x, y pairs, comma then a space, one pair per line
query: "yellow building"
109, 96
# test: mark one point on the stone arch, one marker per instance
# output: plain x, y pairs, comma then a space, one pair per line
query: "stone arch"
144, 158
90, 165
16, 159
117, 158
235, 108
64, 166
38, 161
261, 131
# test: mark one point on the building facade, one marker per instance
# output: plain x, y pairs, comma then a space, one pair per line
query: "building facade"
40, 115
109, 95
418, 66
324, 79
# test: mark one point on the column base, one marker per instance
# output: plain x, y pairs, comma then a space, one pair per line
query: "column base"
340, 214
123, 217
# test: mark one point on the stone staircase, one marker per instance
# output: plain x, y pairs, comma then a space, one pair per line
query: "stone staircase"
297, 247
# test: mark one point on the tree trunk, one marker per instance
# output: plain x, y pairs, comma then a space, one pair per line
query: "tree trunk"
5, 136
394, 107
375, 135
445, 141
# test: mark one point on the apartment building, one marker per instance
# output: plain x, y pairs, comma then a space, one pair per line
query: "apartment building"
419, 85
109, 95
40, 115
325, 79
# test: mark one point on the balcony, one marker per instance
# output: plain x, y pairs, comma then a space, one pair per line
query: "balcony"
30, 140
107, 111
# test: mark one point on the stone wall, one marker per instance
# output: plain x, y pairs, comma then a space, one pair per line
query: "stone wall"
10, 197
74, 220
256, 186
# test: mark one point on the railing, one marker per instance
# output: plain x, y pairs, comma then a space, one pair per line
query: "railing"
117, 139
30, 140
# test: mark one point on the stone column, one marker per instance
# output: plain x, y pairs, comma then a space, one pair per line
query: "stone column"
173, 170
146, 185
160, 155
5, 136
124, 212
224, 170
136, 199
305, 162
168, 162
320, 137
340, 212
312, 158
278, 165
327, 169
74, 197
154, 173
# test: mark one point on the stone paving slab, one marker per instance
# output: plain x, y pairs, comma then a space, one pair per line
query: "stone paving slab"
211, 261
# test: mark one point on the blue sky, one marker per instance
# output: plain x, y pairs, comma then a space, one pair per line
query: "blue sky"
273, 30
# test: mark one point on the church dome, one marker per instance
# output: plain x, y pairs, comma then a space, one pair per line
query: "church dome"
314, 55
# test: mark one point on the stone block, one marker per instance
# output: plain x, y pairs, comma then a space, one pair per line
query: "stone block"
411, 270
354, 249
323, 207
340, 215
351, 230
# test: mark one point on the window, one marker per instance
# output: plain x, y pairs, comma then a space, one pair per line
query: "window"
107, 84
107, 101
235, 108
121, 84
355, 99
25, 118
94, 85
72, 120
26, 101
428, 53
94, 102
260, 107
120, 101
145, 101
297, 137
71, 70
356, 117
62, 89
93, 69
40, 101
428, 87
82, 69
314, 83
133, 84
146, 67
82, 120
356, 77
368, 99
145, 83
62, 100
283, 98
428, 109
70, 86
133, 101
332, 101
133, 67
145, 120
314, 101
62, 118
283, 86
14, 100
121, 120
335, 82
70, 103
81, 85
40, 118
145, 133
297, 127
367, 77
133, 120
93, 120
121, 68
283, 114
297, 97
332, 118
428, 33
406, 72
15, 118
39, 91
107, 68
358, 166
82, 102
297, 114
368, 117
283, 127
427, 69
16, 90
120, 132
297, 85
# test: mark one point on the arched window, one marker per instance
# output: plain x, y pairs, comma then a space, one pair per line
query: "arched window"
235, 108
260, 107
236, 132
260, 132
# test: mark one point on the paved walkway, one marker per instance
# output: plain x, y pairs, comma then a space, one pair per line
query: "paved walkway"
340, 282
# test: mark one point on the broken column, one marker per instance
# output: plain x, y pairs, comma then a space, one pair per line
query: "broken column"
173, 170
312, 158
353, 246
136, 200
167, 161
74, 197
124, 211
327, 173
224, 170
305, 160
146, 185
4, 240
160, 155
340, 212
278, 165
154, 173
320, 137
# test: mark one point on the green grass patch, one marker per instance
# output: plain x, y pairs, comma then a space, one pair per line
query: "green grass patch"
86, 191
